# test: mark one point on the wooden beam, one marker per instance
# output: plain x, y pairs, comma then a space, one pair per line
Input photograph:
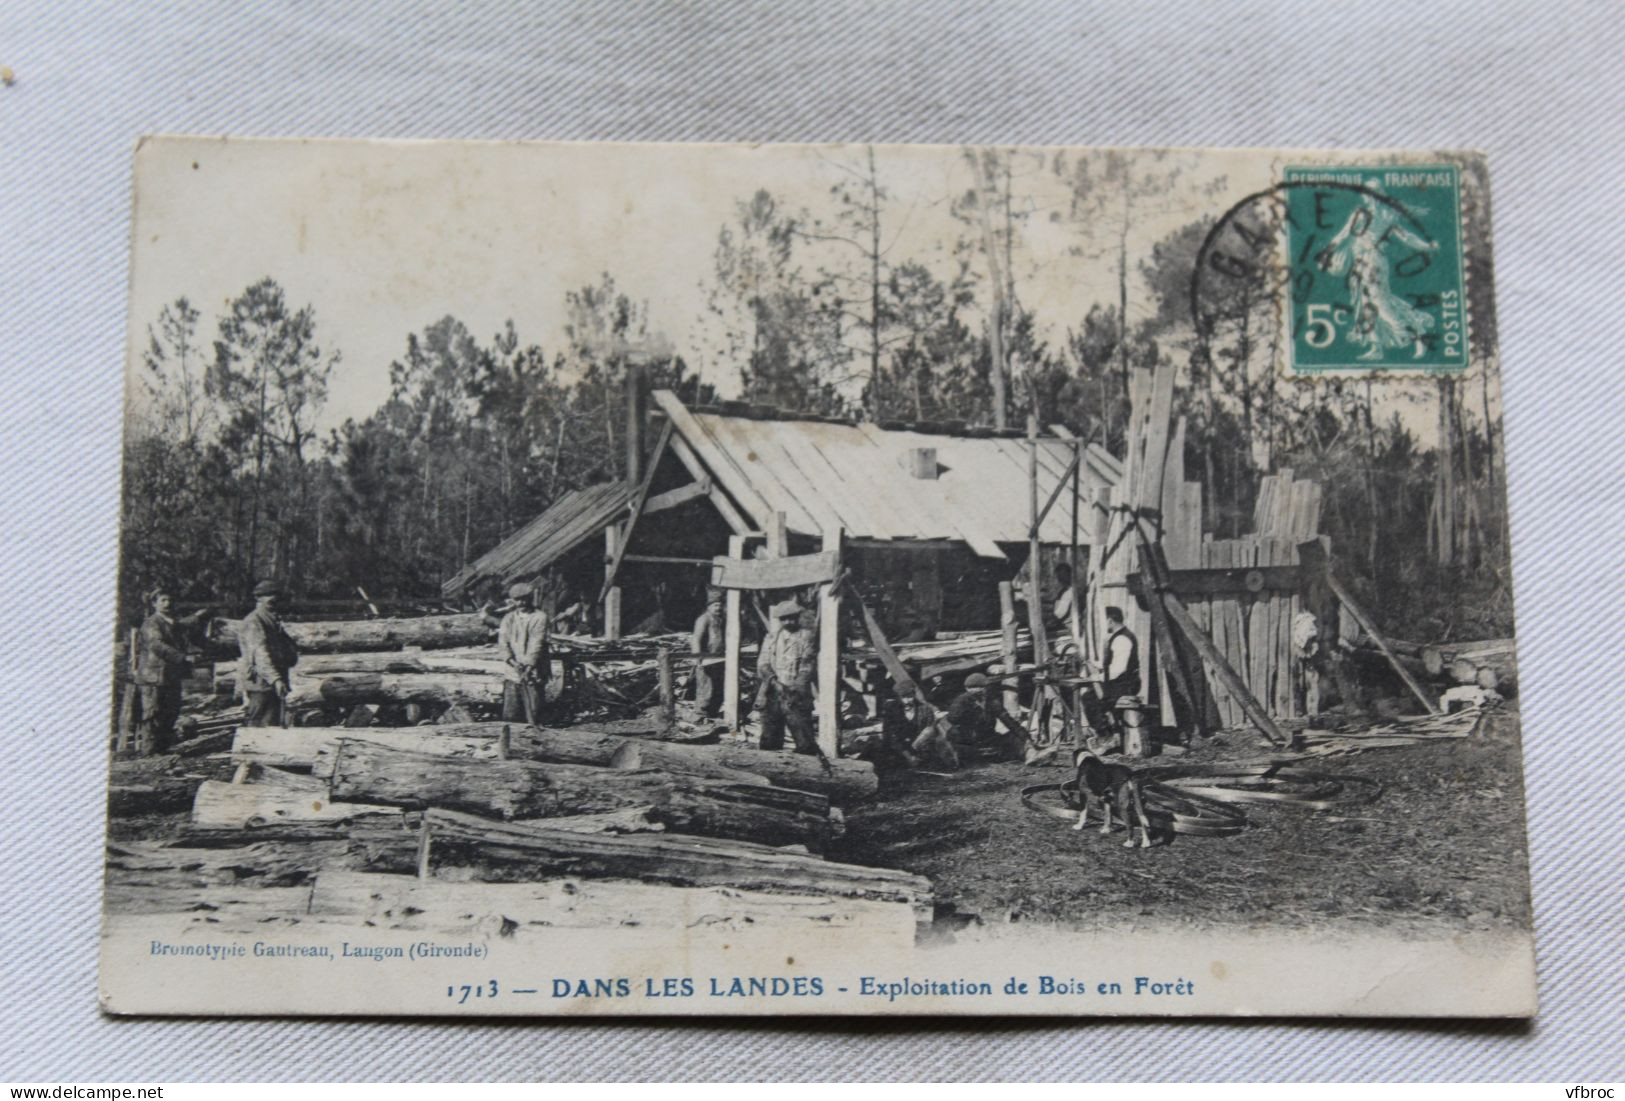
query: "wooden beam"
1055, 494
660, 502
765, 574
618, 550
667, 559
883, 649
719, 500
1224, 582
731, 640
694, 434
1232, 681
1370, 628
829, 655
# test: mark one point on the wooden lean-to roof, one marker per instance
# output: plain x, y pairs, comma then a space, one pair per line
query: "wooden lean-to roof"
859, 476
574, 518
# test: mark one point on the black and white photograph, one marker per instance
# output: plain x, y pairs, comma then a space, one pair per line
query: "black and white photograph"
718, 579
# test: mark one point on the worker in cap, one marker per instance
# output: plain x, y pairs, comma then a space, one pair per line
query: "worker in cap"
268, 654
784, 693
975, 727
709, 636
522, 644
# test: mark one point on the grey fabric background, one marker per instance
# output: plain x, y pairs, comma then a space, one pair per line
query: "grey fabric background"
1538, 85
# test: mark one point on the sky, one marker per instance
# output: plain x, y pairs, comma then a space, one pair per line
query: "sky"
384, 238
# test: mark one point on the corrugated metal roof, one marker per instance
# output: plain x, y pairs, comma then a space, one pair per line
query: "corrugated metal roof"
857, 476
574, 518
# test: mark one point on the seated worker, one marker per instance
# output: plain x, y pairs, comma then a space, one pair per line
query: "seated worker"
969, 729
1121, 676
904, 717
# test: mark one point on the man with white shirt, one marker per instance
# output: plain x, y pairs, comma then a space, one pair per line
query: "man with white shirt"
1121, 675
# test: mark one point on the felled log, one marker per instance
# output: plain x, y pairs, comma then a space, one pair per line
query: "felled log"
844, 782
477, 661
405, 902
251, 806
312, 747
364, 772
510, 851
1487, 663
172, 795
305, 747
433, 632
347, 689
277, 856
159, 785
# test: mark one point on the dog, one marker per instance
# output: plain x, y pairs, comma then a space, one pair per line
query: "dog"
1104, 783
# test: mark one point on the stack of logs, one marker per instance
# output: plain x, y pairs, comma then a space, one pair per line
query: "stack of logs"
449, 825
434, 662
1488, 663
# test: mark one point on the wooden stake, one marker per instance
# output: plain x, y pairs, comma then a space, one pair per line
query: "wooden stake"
1007, 645
423, 849
731, 639
829, 658
668, 698
612, 592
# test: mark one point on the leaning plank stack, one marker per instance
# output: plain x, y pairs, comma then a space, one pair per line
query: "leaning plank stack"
451, 826
1254, 632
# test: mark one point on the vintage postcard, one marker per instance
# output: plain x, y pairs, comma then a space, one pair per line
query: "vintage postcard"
594, 579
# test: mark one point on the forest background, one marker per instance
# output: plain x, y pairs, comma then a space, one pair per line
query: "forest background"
813, 302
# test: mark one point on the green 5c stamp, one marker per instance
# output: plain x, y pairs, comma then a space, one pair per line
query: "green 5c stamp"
1376, 282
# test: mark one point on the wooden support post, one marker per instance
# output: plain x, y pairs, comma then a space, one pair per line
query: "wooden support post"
637, 398
1035, 595
778, 537
731, 639
612, 592
1231, 680
1074, 622
829, 657
1008, 656
423, 850
668, 697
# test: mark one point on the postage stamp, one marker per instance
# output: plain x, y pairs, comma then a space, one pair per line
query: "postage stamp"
1377, 281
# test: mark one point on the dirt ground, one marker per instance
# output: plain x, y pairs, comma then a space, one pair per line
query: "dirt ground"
1441, 850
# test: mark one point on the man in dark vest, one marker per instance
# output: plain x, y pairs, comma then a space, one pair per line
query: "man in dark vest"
267, 656
1120, 677
160, 667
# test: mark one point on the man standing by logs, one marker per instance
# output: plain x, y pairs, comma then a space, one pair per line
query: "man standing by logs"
522, 646
268, 653
160, 666
709, 638
784, 694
